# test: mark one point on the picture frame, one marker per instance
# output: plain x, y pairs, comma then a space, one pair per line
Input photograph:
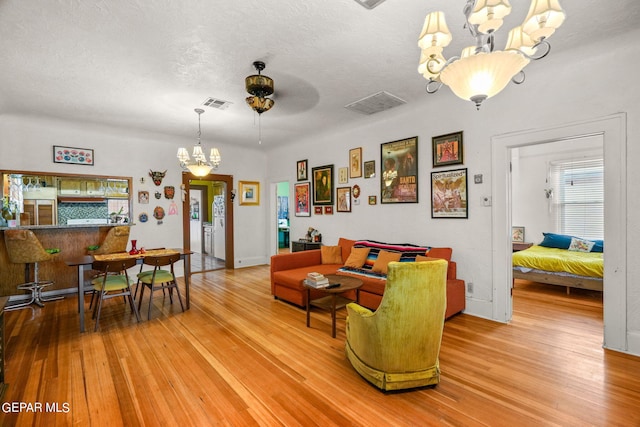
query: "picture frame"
517, 234
447, 149
73, 155
317, 210
373, 200
302, 168
399, 171
343, 175
355, 162
249, 193
449, 195
143, 197
322, 177
343, 197
370, 169
328, 210
303, 199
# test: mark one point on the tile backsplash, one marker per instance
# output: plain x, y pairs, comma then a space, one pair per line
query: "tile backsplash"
81, 210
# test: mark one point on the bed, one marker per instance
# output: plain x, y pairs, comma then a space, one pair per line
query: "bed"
557, 266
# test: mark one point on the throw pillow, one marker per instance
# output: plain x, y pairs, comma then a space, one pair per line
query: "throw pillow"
331, 254
384, 258
580, 245
553, 240
357, 258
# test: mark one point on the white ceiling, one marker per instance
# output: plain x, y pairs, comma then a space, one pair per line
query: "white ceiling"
146, 64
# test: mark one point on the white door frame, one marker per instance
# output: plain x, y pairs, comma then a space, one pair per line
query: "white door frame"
614, 132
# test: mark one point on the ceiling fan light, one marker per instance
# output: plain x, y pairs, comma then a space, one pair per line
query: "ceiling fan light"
259, 104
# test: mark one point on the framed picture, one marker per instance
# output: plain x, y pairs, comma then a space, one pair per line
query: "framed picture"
355, 162
303, 199
517, 234
343, 174
399, 177
373, 200
143, 197
449, 194
344, 199
302, 166
249, 192
317, 210
370, 169
447, 149
323, 185
75, 156
328, 210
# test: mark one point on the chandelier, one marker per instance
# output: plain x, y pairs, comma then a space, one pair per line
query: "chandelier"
259, 87
199, 166
481, 72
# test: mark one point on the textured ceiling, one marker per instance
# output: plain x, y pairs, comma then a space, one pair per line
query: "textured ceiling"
146, 64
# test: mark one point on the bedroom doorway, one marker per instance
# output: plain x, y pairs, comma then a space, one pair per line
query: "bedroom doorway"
613, 131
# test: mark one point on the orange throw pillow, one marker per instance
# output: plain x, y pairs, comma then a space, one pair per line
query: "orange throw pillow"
384, 258
357, 258
331, 254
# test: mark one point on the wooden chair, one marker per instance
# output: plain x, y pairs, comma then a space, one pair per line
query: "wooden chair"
159, 278
113, 282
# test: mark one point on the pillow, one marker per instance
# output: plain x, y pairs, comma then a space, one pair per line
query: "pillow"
443, 253
357, 257
552, 240
598, 245
384, 258
580, 245
331, 254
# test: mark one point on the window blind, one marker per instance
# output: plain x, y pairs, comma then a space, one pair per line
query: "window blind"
579, 197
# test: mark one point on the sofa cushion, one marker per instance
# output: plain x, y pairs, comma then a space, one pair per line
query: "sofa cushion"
293, 278
422, 258
384, 258
357, 258
331, 254
443, 253
346, 245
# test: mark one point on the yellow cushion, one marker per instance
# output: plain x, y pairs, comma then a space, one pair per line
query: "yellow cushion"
114, 282
384, 258
357, 258
162, 276
331, 254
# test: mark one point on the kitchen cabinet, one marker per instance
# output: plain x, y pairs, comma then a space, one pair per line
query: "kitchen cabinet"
42, 211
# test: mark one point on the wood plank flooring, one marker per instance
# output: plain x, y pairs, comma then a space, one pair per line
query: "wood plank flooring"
241, 358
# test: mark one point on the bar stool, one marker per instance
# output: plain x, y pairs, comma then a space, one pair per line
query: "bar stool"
23, 247
115, 241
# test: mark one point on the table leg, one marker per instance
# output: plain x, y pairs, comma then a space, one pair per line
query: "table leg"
333, 315
308, 306
187, 275
81, 295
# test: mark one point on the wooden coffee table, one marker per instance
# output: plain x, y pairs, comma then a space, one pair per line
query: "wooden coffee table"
332, 301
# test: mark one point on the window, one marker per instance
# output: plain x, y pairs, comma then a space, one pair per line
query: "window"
579, 197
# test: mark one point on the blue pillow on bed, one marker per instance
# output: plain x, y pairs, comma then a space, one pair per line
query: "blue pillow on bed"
562, 241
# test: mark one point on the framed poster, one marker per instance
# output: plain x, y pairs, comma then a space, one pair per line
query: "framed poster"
447, 149
302, 166
399, 177
344, 199
370, 169
517, 234
355, 162
449, 194
343, 174
303, 199
323, 185
72, 155
373, 200
249, 192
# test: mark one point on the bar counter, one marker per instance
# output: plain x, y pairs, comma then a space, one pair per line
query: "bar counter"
72, 240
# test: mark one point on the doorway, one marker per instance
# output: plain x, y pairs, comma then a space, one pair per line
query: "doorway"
208, 221
282, 214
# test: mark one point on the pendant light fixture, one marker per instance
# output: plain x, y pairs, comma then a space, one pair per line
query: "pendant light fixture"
259, 87
200, 165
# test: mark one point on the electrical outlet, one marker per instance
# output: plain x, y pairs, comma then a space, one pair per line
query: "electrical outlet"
486, 201
470, 287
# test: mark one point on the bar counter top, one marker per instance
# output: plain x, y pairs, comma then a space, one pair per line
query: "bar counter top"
63, 226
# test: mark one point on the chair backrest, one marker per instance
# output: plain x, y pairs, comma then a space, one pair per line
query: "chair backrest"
161, 260
411, 314
115, 241
24, 247
114, 266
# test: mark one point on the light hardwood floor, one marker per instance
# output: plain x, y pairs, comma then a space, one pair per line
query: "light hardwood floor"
239, 357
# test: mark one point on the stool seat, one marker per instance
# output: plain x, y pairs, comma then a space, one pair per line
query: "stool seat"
23, 247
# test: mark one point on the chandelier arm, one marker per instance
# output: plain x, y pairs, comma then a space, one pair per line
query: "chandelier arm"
544, 52
429, 88
519, 78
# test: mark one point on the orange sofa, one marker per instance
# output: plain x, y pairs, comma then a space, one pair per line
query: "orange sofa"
289, 270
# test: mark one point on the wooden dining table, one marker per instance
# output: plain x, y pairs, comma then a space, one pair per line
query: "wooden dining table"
86, 261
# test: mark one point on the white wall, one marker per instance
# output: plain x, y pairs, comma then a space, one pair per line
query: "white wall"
592, 82
26, 144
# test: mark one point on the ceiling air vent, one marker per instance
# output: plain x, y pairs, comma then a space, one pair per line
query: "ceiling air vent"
216, 103
369, 4
375, 103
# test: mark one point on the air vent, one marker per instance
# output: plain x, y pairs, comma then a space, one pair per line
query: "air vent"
216, 103
369, 4
375, 103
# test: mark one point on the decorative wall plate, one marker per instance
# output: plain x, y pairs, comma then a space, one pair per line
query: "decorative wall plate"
143, 217
169, 192
158, 213
356, 191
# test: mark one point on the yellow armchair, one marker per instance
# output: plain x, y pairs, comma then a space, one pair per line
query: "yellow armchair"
397, 346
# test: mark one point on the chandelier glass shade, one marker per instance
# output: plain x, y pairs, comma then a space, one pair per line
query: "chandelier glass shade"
197, 163
480, 71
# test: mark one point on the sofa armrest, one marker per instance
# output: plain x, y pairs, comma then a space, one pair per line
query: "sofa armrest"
452, 271
295, 260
